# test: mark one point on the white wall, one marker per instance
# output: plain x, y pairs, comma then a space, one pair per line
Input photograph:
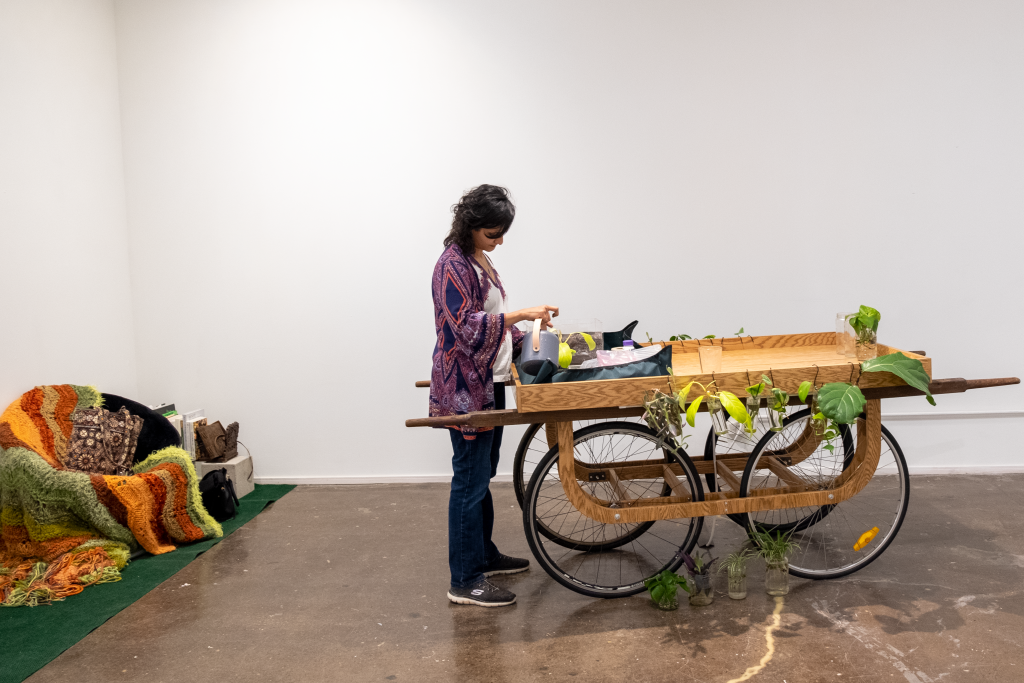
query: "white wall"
700, 166
64, 278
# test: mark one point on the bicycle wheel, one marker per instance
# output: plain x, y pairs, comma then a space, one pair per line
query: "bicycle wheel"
608, 560
826, 535
534, 446
736, 444
591, 454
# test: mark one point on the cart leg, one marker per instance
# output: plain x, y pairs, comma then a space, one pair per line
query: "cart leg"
551, 431
567, 467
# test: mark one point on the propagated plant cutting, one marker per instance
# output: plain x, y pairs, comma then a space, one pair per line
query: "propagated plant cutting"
716, 401
865, 325
701, 592
735, 565
775, 549
663, 589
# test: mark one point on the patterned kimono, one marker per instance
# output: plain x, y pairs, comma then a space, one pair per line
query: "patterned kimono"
461, 379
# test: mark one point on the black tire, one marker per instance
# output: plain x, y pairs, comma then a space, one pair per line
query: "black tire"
531, 449
574, 556
789, 520
826, 534
524, 453
745, 441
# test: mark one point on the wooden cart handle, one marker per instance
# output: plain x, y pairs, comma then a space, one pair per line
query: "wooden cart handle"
423, 384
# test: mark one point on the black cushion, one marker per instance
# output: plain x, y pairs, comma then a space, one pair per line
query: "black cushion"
157, 430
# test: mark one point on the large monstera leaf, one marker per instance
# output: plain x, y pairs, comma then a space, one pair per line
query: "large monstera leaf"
841, 402
909, 370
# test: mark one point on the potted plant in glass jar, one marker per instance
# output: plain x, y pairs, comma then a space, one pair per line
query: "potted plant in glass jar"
701, 592
775, 549
865, 327
663, 589
735, 565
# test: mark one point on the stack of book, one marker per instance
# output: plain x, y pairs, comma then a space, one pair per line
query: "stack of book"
186, 424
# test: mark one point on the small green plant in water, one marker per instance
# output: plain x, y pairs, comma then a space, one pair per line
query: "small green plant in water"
736, 561
865, 323
663, 588
774, 547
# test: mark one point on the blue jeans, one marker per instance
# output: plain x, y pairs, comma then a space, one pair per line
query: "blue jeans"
470, 507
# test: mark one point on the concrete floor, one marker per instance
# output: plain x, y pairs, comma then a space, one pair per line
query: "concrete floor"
347, 583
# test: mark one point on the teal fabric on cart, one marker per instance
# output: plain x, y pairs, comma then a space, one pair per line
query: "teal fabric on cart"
655, 366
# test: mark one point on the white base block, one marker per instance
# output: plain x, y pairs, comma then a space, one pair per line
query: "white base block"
239, 471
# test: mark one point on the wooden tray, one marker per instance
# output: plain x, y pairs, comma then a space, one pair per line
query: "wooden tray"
790, 359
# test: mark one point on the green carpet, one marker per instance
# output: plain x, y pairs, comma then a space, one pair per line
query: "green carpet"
32, 637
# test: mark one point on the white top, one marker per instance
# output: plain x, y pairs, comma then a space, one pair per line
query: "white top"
494, 305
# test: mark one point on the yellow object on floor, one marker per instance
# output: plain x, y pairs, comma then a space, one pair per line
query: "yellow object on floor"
865, 538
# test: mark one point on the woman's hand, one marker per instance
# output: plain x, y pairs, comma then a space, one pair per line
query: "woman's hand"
545, 313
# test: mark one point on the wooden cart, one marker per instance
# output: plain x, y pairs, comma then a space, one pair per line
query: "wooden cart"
609, 506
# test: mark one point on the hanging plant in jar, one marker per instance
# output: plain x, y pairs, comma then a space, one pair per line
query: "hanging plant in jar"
719, 403
753, 401
808, 393
778, 404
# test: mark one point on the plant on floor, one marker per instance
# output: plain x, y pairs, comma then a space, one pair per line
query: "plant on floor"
699, 570
735, 565
773, 546
775, 549
663, 589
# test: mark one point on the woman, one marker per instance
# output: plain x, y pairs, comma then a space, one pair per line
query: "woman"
472, 361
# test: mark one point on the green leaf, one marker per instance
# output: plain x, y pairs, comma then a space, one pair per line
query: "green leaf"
804, 390
710, 336
657, 593
684, 337
674, 338
866, 317
841, 402
683, 393
781, 399
736, 408
738, 333
765, 380
565, 355
909, 370
590, 341
755, 390
691, 412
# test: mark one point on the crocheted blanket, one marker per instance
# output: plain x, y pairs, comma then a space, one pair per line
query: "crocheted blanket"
61, 530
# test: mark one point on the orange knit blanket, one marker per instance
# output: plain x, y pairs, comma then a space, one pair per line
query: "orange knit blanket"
62, 530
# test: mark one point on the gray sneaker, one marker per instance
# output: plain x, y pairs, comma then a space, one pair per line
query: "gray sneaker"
482, 593
504, 564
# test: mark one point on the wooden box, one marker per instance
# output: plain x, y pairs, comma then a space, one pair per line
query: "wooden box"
733, 363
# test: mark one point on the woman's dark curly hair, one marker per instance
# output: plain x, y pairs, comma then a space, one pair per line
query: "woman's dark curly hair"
487, 206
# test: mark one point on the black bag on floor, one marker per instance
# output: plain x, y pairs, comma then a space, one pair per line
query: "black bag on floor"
218, 494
